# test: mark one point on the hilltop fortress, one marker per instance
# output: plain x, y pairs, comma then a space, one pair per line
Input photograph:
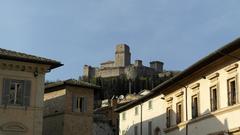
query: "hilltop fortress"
122, 66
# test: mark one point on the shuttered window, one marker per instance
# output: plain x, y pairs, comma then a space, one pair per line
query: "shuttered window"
168, 117
79, 104
232, 92
179, 114
214, 98
16, 92
195, 106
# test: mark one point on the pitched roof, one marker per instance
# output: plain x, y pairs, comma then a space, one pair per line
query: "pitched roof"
17, 56
71, 82
225, 50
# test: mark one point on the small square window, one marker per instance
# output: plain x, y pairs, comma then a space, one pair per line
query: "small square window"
123, 116
136, 110
150, 104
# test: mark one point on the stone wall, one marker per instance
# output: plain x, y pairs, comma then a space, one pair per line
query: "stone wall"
122, 55
102, 125
110, 72
54, 102
102, 128
78, 124
53, 125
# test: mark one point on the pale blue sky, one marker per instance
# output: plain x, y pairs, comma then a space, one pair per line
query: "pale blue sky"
78, 32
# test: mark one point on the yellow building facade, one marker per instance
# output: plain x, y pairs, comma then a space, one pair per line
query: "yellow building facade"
22, 78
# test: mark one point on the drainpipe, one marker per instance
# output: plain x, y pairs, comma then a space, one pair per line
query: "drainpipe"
186, 106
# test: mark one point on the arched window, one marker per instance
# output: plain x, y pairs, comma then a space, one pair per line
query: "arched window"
157, 131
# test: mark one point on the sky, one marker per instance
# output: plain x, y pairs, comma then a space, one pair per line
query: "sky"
79, 32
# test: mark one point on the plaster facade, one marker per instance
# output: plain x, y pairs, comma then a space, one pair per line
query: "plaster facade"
21, 116
154, 119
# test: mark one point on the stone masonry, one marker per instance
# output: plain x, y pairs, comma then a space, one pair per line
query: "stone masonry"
122, 66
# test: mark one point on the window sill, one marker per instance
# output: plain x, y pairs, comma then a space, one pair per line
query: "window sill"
182, 124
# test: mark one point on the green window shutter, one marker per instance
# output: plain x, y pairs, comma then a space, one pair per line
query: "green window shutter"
27, 93
74, 103
5, 91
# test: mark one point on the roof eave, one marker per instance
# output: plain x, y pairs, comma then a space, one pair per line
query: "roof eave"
52, 64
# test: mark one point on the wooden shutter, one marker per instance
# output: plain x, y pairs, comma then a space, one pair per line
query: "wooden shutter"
85, 104
27, 93
229, 93
211, 99
74, 103
5, 91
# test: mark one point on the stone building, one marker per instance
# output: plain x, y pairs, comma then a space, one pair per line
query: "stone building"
22, 79
106, 120
68, 108
201, 100
122, 66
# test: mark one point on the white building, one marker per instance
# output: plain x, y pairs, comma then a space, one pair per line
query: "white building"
202, 100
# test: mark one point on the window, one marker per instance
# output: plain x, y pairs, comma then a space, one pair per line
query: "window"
150, 104
179, 112
168, 117
136, 110
157, 131
214, 98
124, 116
79, 104
123, 132
150, 128
136, 130
195, 106
16, 92
232, 92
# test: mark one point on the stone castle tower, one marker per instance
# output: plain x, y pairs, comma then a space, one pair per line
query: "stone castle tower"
122, 56
122, 66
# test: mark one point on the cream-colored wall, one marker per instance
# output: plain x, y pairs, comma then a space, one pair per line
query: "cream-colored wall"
225, 118
30, 118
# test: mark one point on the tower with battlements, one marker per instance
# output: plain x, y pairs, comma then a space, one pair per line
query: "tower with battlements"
122, 55
122, 66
